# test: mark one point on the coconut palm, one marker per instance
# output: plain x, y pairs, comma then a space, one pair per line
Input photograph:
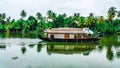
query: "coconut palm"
64, 15
89, 20
8, 19
81, 21
38, 15
23, 14
111, 13
101, 19
91, 17
2, 16
76, 16
51, 15
32, 22
118, 14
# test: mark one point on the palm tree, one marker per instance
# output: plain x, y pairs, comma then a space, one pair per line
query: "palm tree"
90, 20
76, 19
76, 16
64, 15
81, 21
0, 18
111, 13
32, 22
91, 15
38, 15
101, 19
51, 15
23, 14
118, 14
8, 19
3, 15
87, 22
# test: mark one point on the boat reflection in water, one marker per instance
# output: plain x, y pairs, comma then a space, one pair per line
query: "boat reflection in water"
70, 48
2, 47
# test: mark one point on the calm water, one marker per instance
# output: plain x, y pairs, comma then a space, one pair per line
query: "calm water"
26, 51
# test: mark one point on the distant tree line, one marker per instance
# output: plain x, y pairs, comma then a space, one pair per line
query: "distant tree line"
108, 25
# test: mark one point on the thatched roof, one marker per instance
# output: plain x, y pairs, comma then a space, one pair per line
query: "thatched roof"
66, 30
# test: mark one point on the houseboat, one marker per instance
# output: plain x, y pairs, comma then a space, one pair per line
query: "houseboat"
69, 35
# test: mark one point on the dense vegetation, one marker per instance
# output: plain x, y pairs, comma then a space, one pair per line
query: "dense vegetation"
108, 25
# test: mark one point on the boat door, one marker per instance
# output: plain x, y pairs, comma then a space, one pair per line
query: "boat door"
66, 36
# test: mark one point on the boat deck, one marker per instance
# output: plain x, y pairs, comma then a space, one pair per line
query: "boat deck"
92, 39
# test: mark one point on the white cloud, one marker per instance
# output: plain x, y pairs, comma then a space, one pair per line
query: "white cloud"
84, 7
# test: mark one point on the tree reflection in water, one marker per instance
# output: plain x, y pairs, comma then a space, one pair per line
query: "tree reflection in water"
109, 54
118, 53
100, 48
39, 47
2, 47
31, 45
23, 50
109, 43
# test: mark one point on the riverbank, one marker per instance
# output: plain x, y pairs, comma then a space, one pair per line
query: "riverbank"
34, 34
19, 35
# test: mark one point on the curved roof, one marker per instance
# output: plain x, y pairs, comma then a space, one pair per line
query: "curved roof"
69, 30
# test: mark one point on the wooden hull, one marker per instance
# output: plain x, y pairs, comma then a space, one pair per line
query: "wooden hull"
70, 40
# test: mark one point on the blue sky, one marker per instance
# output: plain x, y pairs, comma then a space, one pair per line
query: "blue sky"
84, 7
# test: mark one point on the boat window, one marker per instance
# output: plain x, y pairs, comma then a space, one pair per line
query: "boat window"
51, 36
76, 36
89, 35
66, 36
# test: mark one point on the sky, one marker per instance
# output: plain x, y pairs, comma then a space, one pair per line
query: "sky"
13, 8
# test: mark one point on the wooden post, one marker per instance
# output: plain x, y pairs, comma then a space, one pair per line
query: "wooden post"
47, 35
